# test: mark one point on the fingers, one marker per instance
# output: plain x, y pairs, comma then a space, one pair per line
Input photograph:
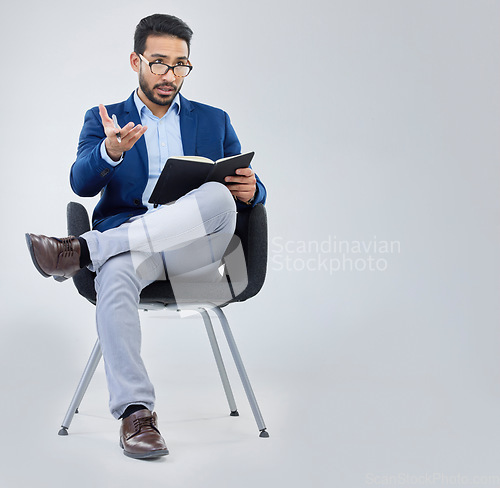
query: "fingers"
242, 175
244, 185
245, 172
243, 196
104, 114
245, 176
107, 122
130, 134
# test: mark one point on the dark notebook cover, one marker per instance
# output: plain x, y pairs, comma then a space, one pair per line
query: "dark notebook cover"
180, 176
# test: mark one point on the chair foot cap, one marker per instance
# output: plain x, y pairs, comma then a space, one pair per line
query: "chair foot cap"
264, 433
234, 414
63, 431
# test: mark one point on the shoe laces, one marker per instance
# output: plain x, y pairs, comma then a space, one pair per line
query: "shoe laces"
144, 422
67, 246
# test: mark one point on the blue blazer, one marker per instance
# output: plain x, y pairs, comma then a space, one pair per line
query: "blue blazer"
205, 131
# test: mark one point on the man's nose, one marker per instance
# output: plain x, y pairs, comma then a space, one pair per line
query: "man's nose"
169, 76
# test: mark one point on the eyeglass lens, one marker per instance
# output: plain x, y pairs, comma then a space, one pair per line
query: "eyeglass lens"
179, 70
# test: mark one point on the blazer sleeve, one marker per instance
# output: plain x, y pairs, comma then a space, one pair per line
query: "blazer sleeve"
90, 173
232, 147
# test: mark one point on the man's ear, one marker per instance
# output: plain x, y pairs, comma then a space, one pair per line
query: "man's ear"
135, 62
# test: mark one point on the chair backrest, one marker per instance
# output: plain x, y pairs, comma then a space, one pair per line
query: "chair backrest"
251, 230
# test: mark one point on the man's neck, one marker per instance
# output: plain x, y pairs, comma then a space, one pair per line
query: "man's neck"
157, 110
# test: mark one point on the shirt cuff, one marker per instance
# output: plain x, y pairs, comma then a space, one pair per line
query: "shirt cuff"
105, 156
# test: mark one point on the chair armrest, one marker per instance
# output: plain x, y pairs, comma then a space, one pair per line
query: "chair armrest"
251, 228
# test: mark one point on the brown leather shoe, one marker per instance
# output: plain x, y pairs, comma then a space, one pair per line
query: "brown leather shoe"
59, 258
140, 437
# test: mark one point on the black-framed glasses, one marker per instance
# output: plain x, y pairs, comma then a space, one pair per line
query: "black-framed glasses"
158, 68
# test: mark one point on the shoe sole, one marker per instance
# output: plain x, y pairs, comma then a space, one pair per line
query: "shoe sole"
35, 262
145, 455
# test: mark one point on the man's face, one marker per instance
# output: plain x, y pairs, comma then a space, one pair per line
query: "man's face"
160, 90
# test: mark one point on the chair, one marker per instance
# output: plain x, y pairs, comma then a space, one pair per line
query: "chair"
251, 231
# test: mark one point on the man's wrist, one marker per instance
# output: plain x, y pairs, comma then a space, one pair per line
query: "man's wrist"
107, 157
114, 156
246, 202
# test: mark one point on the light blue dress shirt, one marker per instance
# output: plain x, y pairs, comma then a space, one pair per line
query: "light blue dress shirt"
163, 140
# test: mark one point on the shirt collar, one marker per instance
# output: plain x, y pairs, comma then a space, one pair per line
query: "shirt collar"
140, 105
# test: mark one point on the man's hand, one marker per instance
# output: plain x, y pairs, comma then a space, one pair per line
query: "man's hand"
129, 135
244, 185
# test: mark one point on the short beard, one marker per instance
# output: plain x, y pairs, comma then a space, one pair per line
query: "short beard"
164, 101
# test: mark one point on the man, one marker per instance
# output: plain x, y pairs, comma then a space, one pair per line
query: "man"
132, 244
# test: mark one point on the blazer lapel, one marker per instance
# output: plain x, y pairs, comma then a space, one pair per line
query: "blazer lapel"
131, 114
189, 124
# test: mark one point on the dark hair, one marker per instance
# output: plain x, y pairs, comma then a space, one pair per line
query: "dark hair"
160, 25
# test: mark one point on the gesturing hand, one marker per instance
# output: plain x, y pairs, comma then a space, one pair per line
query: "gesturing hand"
243, 185
129, 135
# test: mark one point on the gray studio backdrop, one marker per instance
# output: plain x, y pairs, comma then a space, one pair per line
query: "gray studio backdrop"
375, 126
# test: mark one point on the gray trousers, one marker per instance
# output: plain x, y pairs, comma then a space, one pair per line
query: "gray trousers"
184, 241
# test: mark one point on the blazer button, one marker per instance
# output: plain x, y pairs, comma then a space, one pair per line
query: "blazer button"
137, 202
104, 172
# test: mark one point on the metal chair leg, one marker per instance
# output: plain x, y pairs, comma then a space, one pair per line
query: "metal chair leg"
95, 357
242, 372
219, 361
